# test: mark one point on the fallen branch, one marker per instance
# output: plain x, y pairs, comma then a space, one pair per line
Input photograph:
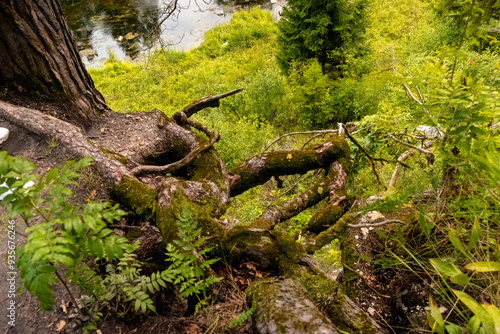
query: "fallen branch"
408, 90
385, 222
332, 185
402, 157
206, 102
428, 154
262, 167
182, 118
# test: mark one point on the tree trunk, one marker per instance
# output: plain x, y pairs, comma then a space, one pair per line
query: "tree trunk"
38, 57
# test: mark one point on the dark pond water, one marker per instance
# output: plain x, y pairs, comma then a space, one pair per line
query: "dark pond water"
129, 28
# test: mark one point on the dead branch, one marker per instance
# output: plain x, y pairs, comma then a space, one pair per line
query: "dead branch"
182, 118
311, 139
333, 186
385, 222
262, 167
402, 157
428, 155
205, 102
370, 158
408, 90
420, 94
362, 149
362, 129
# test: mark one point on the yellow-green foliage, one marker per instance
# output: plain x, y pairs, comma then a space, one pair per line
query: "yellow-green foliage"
233, 55
172, 79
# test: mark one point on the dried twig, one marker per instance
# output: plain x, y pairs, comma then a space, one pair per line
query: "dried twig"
428, 154
362, 129
421, 102
402, 157
362, 149
408, 90
385, 222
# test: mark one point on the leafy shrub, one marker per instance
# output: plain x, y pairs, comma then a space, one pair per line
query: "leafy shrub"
68, 235
77, 238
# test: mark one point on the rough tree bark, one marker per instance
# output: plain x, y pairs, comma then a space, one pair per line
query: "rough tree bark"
169, 167
38, 57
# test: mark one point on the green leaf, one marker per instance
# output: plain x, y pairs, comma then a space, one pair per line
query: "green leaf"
151, 307
495, 314
95, 247
453, 329
4, 165
460, 279
104, 233
477, 309
456, 242
475, 234
445, 267
51, 175
484, 266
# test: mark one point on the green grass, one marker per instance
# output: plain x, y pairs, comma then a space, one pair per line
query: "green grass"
231, 55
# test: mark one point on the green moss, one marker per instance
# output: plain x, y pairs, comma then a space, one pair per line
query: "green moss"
327, 293
203, 211
241, 242
136, 195
267, 297
337, 231
289, 252
133, 234
113, 155
323, 219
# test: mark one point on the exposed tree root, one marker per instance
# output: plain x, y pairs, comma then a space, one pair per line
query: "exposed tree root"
200, 182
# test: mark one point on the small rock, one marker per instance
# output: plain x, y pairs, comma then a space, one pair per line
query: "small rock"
89, 53
365, 232
372, 199
371, 217
142, 143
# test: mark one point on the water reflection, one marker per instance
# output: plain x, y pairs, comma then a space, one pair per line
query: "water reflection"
129, 27
127, 24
